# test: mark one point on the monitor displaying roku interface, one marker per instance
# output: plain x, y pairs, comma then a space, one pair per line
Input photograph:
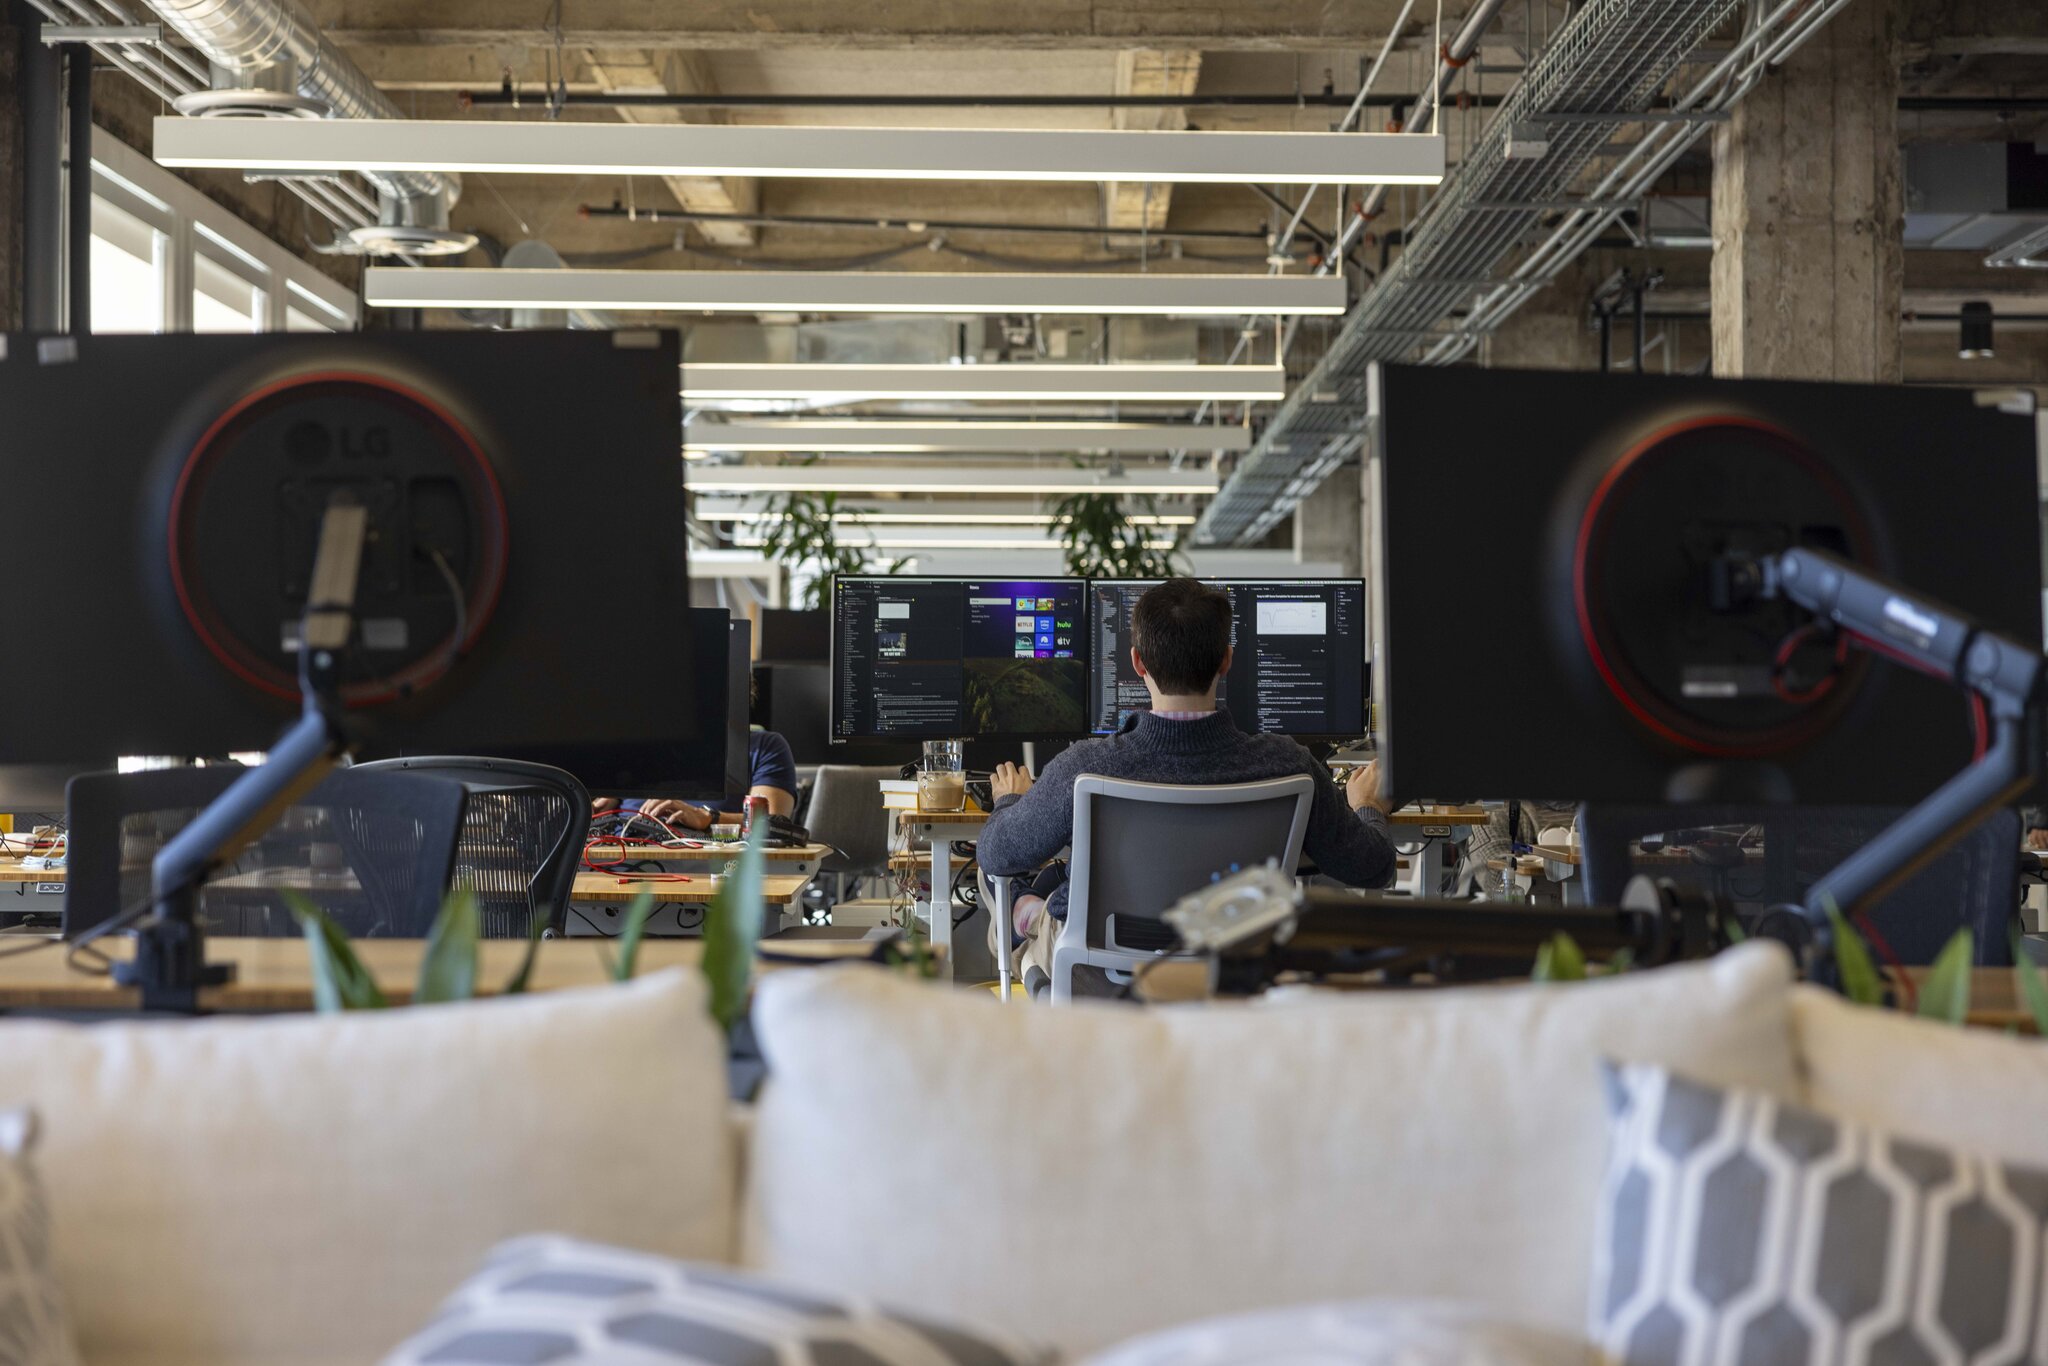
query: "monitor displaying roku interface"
930, 658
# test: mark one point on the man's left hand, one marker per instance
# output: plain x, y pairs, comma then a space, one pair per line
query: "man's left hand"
1009, 780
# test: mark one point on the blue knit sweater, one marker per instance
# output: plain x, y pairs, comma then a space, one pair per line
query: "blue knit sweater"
1025, 831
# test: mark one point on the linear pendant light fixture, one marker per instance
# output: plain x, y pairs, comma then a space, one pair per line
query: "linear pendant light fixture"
804, 291
534, 147
899, 512
831, 383
704, 437
744, 479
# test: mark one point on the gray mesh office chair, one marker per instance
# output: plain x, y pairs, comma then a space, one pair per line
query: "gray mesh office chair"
1140, 847
372, 850
846, 812
523, 830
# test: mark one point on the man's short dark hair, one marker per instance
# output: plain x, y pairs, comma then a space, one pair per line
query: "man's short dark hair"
1182, 631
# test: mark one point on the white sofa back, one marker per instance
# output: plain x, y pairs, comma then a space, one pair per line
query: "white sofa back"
1082, 1175
304, 1189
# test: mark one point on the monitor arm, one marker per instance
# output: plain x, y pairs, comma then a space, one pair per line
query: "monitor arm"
170, 964
2002, 674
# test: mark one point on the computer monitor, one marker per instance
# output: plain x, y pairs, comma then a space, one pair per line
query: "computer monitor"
1543, 566
739, 703
170, 490
789, 636
1298, 665
933, 658
703, 767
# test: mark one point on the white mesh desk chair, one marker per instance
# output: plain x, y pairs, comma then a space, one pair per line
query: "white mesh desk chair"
1140, 847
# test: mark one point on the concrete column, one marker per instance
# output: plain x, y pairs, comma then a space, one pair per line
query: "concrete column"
1808, 211
1329, 524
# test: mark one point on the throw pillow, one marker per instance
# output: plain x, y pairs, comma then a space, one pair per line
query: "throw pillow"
1746, 1230
1364, 1333
34, 1330
557, 1300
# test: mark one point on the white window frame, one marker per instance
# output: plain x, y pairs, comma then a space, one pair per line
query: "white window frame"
130, 180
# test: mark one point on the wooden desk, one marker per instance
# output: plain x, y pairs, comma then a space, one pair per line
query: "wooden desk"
1994, 999
1441, 828
939, 829
12, 871
1440, 815
712, 853
273, 973
911, 819
776, 889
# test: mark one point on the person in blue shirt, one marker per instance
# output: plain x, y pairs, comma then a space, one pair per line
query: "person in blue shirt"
773, 779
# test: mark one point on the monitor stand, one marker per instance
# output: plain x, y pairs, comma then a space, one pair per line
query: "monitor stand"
170, 964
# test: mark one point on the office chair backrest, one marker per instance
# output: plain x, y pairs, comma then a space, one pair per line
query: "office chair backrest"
1973, 885
1140, 847
846, 812
523, 831
371, 850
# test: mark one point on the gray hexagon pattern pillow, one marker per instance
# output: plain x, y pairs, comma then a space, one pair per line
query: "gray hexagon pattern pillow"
547, 1300
34, 1329
1746, 1231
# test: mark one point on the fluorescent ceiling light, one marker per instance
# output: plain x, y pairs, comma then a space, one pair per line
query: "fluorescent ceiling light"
750, 510
534, 147
805, 291
740, 479
708, 383
882, 437
900, 540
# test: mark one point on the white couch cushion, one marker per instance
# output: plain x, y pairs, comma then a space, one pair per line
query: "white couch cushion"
1935, 1082
1362, 1333
1084, 1174
307, 1189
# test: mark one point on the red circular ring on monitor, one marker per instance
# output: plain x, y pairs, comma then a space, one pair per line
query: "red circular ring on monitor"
1621, 680
244, 660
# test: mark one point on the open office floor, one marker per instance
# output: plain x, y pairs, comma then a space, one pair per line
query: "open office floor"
957, 684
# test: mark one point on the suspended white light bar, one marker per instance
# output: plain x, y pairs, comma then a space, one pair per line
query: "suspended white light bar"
757, 509
804, 291
740, 479
535, 147
828, 383
702, 437
903, 540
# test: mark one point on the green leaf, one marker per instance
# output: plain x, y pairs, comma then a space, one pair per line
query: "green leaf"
1945, 992
732, 928
1860, 982
1732, 930
2033, 988
340, 981
1560, 960
630, 936
448, 968
534, 933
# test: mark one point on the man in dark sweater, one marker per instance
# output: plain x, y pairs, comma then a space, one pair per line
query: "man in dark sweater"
1180, 634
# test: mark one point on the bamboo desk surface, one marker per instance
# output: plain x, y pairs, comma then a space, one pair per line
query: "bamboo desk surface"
709, 853
12, 871
273, 974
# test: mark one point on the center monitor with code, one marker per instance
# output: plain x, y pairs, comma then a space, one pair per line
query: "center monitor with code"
1298, 666
935, 658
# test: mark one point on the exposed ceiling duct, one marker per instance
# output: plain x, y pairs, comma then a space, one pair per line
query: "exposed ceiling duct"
1452, 283
270, 60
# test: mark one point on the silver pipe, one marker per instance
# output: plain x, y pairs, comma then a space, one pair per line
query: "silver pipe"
1458, 51
246, 36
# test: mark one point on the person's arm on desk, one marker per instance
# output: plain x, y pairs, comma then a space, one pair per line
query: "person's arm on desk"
1032, 821
1347, 831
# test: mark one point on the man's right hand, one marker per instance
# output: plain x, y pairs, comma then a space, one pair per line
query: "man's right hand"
600, 805
1009, 780
686, 814
2037, 840
1362, 789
